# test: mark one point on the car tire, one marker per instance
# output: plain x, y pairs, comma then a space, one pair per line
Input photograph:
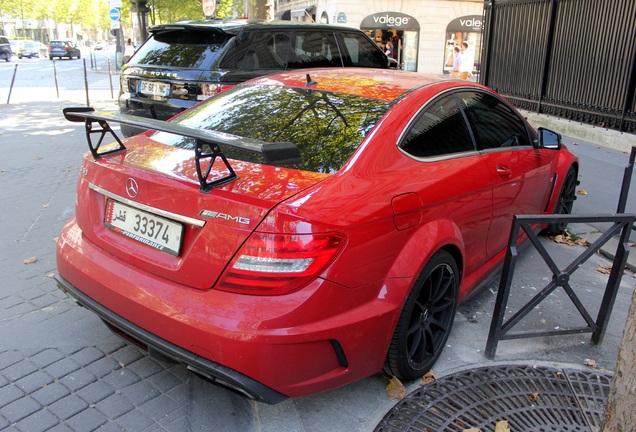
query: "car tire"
564, 203
79, 55
426, 319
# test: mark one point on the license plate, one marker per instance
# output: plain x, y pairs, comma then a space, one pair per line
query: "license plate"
154, 88
147, 228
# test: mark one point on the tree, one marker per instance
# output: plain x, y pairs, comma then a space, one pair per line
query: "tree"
620, 414
230, 8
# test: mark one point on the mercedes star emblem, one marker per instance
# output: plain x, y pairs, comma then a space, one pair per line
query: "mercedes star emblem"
132, 188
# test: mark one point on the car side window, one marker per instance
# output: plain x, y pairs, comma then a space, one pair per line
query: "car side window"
494, 123
257, 50
314, 49
439, 130
361, 52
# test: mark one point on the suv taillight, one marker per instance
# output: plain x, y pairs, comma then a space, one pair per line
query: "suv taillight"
275, 264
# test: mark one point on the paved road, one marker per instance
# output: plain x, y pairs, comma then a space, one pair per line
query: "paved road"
62, 370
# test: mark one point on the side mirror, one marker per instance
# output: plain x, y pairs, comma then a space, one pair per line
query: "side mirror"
549, 139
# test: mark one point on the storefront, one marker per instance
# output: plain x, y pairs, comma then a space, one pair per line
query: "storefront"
397, 33
461, 31
420, 32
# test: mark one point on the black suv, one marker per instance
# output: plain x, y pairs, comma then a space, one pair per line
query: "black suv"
186, 62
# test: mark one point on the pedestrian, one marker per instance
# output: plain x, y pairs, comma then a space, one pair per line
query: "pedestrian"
468, 60
129, 51
388, 49
457, 62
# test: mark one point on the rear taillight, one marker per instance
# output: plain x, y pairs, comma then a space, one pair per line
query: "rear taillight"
275, 264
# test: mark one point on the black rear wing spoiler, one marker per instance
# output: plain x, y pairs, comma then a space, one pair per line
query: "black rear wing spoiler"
208, 143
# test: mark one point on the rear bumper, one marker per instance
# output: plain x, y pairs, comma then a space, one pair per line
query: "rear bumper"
270, 347
154, 345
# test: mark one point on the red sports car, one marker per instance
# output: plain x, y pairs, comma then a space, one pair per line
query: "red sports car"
307, 229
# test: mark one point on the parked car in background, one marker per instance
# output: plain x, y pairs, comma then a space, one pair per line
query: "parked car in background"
5, 49
183, 63
64, 48
15, 46
101, 45
31, 49
306, 229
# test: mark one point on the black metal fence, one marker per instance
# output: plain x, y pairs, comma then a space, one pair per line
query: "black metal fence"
574, 59
623, 224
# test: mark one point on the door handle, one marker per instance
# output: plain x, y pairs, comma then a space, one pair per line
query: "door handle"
503, 171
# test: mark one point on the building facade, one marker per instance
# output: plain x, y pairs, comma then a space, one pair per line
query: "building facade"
422, 33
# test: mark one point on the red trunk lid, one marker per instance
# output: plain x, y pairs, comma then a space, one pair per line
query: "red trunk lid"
164, 178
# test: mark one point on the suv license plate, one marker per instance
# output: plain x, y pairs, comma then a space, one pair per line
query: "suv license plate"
154, 88
147, 228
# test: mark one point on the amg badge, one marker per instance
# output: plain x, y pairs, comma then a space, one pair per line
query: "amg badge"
211, 214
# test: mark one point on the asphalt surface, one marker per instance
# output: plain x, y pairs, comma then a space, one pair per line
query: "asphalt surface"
62, 370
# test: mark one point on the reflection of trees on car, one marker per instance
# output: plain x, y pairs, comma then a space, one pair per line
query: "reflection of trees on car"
326, 127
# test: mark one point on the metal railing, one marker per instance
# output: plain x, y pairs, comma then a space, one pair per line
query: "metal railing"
623, 224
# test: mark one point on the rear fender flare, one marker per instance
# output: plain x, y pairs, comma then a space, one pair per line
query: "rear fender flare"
425, 240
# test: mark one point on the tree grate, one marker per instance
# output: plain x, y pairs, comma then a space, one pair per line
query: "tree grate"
530, 398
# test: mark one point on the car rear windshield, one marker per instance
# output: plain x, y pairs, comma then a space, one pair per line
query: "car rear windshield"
181, 48
327, 127
58, 44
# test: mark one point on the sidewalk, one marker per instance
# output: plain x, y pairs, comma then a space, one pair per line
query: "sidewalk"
62, 370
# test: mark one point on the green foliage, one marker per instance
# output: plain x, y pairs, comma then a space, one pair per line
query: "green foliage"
93, 14
230, 9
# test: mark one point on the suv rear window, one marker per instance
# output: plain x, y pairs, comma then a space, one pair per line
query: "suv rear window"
326, 127
58, 44
181, 48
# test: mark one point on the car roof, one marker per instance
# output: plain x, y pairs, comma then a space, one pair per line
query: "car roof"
234, 26
383, 84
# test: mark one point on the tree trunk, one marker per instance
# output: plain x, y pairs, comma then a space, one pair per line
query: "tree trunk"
620, 414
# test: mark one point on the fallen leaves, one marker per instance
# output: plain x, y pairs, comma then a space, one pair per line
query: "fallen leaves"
605, 269
502, 426
30, 260
429, 377
395, 389
591, 363
582, 192
570, 240
534, 397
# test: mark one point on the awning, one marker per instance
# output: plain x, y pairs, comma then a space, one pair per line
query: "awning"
308, 11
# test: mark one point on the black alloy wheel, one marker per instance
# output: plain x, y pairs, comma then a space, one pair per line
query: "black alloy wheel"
426, 319
565, 202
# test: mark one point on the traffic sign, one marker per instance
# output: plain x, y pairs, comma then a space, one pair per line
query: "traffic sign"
114, 14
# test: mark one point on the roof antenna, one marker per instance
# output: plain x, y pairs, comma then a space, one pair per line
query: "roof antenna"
310, 82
